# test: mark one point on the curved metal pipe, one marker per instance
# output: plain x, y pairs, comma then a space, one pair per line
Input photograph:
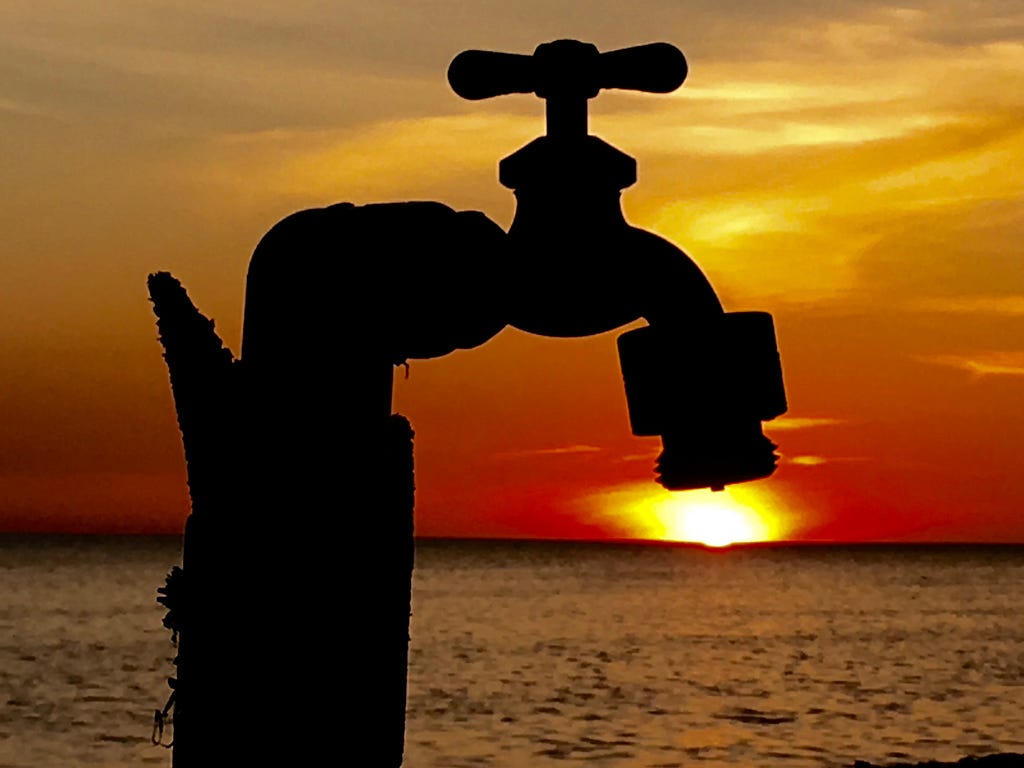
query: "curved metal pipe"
699, 377
400, 280
581, 269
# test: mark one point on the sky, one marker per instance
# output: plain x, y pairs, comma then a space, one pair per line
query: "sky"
854, 168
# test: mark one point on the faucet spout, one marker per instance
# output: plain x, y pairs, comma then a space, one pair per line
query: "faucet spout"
699, 377
581, 269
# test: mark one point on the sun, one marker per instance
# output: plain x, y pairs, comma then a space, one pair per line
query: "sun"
713, 519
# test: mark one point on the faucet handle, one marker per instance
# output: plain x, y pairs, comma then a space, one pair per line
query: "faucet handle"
652, 68
567, 68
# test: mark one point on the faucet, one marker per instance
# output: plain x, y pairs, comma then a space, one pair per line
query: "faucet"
701, 378
300, 476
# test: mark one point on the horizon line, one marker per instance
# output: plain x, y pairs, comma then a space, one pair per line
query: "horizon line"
613, 541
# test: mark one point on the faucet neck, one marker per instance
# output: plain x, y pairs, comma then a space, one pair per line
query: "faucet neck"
567, 161
567, 186
566, 116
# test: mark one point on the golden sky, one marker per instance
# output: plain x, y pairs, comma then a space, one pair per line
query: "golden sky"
852, 167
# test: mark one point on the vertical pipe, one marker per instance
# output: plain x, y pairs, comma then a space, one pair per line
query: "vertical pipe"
398, 505
566, 116
295, 614
334, 563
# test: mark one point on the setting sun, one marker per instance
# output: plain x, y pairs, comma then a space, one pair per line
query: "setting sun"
710, 521
714, 519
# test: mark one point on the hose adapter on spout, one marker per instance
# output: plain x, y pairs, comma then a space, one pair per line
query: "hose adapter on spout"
699, 377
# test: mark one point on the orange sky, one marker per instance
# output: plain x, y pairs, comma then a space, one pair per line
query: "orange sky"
855, 171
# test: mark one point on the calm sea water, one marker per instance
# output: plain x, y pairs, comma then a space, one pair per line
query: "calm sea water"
532, 654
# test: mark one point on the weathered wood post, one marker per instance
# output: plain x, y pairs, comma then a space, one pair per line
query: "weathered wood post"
285, 620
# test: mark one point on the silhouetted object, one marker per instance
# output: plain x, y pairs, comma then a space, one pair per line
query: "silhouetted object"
294, 595
204, 382
287, 613
173, 597
398, 280
702, 379
707, 395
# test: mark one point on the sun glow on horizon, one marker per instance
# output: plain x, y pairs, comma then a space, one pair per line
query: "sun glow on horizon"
713, 519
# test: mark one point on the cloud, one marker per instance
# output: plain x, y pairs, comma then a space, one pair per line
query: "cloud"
790, 423
817, 461
807, 461
449, 158
970, 305
26, 108
649, 456
985, 364
563, 450
951, 23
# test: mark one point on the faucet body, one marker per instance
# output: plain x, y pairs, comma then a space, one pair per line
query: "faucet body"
581, 268
428, 280
701, 378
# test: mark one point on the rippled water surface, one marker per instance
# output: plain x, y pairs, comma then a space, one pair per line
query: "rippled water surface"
536, 654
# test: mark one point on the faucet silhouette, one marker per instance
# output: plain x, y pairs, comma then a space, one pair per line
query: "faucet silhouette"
701, 378
570, 265
285, 445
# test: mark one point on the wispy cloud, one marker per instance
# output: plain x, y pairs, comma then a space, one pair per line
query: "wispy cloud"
788, 423
16, 107
984, 364
649, 456
970, 305
809, 460
562, 450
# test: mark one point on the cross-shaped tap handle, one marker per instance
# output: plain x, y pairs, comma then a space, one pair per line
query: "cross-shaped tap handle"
566, 73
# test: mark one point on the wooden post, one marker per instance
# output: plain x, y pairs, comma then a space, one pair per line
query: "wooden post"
298, 553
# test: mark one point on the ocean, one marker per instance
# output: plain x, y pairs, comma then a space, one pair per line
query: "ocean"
531, 654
